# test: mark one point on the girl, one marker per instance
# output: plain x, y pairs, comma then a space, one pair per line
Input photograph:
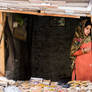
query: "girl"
81, 52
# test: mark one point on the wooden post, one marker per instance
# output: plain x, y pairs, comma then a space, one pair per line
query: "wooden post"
2, 52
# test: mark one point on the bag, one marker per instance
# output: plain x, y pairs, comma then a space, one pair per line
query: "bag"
17, 26
12, 89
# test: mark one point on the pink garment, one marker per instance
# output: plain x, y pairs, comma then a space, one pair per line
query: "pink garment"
83, 64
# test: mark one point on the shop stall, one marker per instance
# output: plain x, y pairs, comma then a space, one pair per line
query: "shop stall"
55, 8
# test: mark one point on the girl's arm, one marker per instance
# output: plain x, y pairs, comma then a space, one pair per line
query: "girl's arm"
82, 51
79, 52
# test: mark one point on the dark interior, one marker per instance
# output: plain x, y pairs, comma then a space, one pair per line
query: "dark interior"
44, 53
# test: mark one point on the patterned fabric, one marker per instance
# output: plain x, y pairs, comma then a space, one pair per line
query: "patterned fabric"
78, 40
82, 69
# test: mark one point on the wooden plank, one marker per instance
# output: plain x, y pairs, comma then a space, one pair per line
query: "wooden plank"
72, 11
55, 11
45, 8
2, 54
76, 0
60, 0
28, 4
77, 4
42, 8
36, 5
40, 14
31, 6
66, 13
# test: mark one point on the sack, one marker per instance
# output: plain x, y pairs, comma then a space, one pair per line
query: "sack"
20, 33
12, 89
17, 26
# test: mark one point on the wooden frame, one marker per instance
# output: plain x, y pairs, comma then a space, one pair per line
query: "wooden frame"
40, 14
2, 54
2, 23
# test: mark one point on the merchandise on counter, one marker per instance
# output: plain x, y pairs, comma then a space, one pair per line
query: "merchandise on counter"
3, 83
12, 89
1, 89
41, 85
34, 81
36, 89
78, 83
24, 86
54, 83
46, 82
4, 80
40, 80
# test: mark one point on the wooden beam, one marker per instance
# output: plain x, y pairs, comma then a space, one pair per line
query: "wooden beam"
2, 54
40, 14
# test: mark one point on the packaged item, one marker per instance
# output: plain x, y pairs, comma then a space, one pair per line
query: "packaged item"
12, 89
33, 79
52, 89
45, 89
36, 89
46, 82
54, 83
1, 89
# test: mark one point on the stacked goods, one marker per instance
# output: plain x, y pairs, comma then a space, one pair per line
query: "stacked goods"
80, 86
24, 86
1, 89
46, 82
35, 81
78, 83
41, 85
12, 89
5, 82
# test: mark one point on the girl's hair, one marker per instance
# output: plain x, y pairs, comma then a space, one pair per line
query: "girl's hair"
88, 23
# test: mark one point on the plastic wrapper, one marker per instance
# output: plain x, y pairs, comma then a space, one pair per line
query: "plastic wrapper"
36, 89
12, 89
46, 82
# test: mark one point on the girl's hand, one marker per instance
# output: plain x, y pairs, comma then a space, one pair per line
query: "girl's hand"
86, 50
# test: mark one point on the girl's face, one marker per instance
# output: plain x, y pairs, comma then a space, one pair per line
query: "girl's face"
87, 30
